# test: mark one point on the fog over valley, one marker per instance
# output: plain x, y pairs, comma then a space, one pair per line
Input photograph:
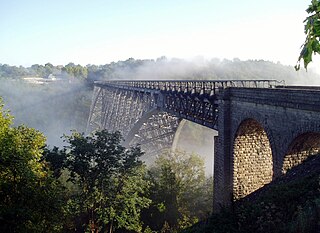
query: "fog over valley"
56, 99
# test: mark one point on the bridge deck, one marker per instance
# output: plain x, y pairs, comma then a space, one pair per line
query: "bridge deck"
188, 86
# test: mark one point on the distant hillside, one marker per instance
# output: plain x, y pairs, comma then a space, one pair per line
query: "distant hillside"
163, 68
290, 204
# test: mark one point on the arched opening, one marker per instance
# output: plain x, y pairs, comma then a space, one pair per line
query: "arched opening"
300, 149
195, 138
252, 163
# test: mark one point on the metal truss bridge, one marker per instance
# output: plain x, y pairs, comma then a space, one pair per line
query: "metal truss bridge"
148, 112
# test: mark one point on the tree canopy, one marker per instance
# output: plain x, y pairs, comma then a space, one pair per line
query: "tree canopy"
110, 181
29, 196
94, 184
181, 194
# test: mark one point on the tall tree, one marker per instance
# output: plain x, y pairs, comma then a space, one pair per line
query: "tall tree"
180, 192
30, 199
110, 180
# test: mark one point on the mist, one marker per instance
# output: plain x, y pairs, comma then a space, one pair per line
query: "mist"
56, 108
197, 139
212, 69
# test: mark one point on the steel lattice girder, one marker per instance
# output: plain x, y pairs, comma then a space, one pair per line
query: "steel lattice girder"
201, 109
121, 110
156, 133
147, 112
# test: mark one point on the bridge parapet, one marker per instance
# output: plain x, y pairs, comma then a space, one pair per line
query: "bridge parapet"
208, 87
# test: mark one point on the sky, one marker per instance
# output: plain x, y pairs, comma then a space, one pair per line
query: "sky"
102, 31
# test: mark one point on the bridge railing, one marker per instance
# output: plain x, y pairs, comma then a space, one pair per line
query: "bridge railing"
190, 86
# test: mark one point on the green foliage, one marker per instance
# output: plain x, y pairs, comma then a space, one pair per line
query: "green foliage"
110, 179
179, 192
56, 159
312, 30
30, 199
77, 71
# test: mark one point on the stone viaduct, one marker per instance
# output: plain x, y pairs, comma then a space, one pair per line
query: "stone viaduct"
264, 128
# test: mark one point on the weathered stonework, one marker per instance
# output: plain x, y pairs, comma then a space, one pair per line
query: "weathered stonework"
281, 127
301, 148
252, 163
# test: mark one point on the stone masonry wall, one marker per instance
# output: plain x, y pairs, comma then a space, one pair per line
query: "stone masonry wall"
252, 167
284, 117
301, 148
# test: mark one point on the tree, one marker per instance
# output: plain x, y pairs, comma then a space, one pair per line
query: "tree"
49, 68
30, 199
38, 70
179, 192
312, 31
76, 71
110, 180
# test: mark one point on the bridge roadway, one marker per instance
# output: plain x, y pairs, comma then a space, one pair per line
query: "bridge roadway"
264, 127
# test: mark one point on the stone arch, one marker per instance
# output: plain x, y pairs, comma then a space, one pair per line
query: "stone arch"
252, 158
300, 149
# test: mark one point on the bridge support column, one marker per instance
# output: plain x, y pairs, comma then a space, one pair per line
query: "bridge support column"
222, 190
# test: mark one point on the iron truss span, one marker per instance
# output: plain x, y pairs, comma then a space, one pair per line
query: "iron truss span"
193, 100
148, 112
